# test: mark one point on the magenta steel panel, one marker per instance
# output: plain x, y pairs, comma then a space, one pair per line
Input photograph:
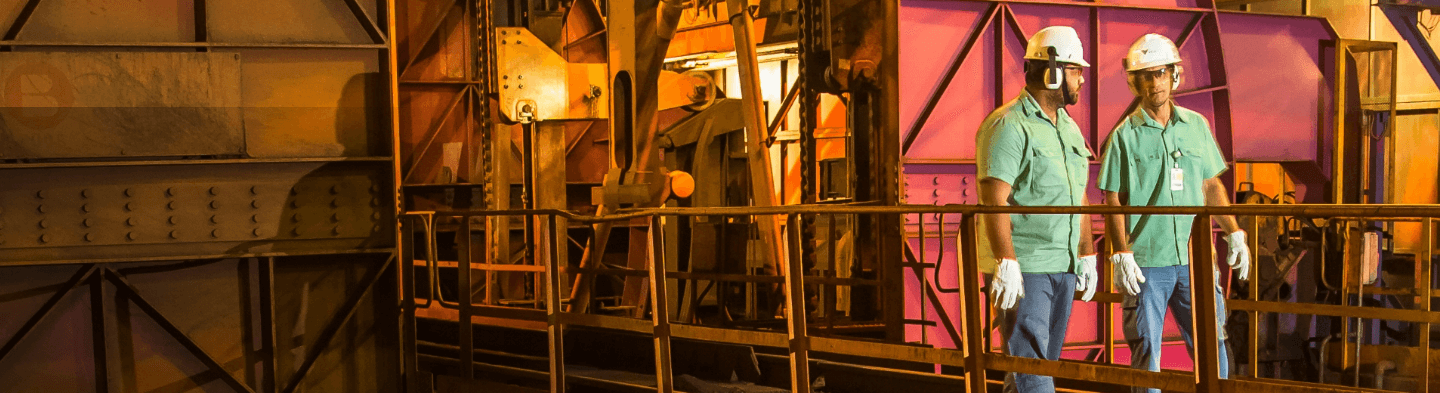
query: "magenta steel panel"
1276, 85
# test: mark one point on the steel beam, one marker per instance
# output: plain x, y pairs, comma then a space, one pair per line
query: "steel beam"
343, 316
129, 291
75, 281
1406, 20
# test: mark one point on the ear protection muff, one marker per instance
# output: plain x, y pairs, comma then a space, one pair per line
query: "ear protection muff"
1054, 76
1175, 77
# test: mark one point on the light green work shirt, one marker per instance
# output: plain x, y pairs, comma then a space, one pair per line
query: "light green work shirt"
1045, 165
1140, 162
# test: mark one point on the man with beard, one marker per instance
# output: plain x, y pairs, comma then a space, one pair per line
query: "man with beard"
1030, 153
1162, 155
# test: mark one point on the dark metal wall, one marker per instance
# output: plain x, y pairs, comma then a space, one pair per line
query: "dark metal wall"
198, 195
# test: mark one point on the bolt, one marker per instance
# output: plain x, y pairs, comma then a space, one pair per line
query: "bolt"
295, 203
85, 193
504, 77
334, 203
295, 217
170, 191
40, 194
214, 204
214, 219
502, 42
255, 218
88, 223
335, 231
505, 86
519, 77
131, 236
335, 217
129, 206
42, 208
129, 193
173, 220
215, 233
255, 232
174, 235
520, 87
44, 224
295, 232
214, 191
335, 189
85, 207
254, 190
131, 221
255, 204
170, 205
89, 237
45, 238
527, 109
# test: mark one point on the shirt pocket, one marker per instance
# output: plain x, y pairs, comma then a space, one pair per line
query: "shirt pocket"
1193, 160
1047, 166
1149, 166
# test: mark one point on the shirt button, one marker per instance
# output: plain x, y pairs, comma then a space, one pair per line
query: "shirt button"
1176, 154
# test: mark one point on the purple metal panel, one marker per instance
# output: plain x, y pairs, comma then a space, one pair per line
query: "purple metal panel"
1276, 85
946, 26
949, 133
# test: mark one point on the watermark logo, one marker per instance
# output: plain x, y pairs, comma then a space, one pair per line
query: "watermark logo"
37, 95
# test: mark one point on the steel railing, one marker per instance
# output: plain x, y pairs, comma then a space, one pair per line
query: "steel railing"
974, 355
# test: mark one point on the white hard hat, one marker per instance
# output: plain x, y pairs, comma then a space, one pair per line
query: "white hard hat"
1065, 41
1149, 51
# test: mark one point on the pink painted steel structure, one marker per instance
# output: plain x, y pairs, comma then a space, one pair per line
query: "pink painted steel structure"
1261, 80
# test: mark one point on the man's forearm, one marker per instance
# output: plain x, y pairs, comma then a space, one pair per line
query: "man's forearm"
1115, 225
994, 192
1087, 234
1217, 195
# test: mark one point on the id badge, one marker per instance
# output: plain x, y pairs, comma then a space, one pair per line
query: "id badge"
1177, 179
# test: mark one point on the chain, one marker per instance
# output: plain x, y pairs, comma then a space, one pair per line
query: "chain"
809, 11
483, 64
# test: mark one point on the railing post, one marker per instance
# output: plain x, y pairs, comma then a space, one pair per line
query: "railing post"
1255, 288
406, 251
554, 331
795, 313
1426, 282
1202, 292
975, 322
466, 356
660, 306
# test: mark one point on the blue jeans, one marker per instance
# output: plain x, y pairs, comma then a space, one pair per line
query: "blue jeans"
1145, 317
1035, 328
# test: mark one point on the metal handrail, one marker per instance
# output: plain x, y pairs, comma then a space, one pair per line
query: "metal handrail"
976, 353
1308, 210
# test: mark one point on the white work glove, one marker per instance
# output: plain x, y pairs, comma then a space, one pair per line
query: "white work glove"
1008, 286
1127, 273
1086, 279
1239, 258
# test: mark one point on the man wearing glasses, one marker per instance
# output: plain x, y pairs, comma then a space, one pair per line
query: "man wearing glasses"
1162, 155
1030, 153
